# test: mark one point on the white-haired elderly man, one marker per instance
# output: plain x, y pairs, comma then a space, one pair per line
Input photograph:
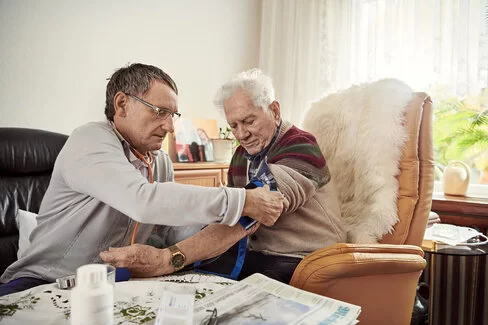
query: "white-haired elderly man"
271, 152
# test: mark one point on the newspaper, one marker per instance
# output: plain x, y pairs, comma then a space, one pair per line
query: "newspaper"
260, 300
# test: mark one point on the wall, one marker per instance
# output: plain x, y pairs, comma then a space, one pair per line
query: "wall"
55, 55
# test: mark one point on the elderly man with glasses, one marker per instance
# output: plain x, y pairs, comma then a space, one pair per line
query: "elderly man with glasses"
111, 184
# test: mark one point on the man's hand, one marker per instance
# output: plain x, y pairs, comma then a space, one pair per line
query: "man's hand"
142, 260
263, 205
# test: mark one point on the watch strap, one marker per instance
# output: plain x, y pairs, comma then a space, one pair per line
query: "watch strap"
174, 252
174, 249
66, 282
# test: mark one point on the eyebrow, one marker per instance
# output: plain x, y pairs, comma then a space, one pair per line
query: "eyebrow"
232, 124
163, 107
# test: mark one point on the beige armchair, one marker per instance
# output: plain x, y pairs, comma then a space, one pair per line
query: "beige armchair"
382, 278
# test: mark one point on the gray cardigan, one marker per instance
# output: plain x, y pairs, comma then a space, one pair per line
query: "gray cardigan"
96, 195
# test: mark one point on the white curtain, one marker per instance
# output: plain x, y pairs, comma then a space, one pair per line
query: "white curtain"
290, 52
311, 47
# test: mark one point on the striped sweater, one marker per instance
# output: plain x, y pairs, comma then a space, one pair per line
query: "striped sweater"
294, 148
311, 218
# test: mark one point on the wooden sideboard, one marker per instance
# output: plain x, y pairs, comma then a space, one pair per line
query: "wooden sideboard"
461, 210
212, 174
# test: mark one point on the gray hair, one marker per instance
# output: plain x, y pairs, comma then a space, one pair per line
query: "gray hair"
254, 82
135, 79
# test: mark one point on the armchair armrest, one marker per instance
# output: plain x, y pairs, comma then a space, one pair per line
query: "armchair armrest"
382, 279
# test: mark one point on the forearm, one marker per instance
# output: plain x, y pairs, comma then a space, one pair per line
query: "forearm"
148, 261
296, 188
210, 242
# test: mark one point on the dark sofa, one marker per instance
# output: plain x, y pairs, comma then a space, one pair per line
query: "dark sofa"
27, 159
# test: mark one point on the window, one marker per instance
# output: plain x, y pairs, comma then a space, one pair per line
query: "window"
437, 46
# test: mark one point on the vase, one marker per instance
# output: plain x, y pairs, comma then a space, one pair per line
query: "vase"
456, 178
222, 149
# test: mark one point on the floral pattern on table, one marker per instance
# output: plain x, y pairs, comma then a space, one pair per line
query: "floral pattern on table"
26, 302
136, 314
136, 301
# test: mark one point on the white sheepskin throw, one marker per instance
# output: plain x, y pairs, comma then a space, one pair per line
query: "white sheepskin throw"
361, 133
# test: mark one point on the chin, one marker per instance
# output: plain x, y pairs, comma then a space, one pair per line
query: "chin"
156, 147
253, 150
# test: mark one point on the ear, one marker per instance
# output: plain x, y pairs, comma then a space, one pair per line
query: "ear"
120, 104
275, 109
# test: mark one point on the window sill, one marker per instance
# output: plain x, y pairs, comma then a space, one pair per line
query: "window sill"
474, 190
461, 210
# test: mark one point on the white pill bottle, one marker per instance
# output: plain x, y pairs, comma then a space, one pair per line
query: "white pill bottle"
92, 299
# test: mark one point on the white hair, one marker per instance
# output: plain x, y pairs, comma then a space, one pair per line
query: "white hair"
254, 82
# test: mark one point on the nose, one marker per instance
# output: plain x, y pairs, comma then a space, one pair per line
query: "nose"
168, 125
241, 133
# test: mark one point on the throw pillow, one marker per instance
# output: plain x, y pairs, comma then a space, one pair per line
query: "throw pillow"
27, 223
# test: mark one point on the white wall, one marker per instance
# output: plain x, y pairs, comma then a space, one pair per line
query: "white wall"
55, 55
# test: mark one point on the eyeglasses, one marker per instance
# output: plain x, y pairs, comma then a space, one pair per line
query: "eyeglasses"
162, 113
211, 319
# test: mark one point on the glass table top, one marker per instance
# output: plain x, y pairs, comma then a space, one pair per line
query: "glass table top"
458, 250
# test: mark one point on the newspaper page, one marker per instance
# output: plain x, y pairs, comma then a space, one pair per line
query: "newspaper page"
260, 300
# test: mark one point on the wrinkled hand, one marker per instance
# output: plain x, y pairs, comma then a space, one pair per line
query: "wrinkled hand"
253, 229
263, 205
141, 260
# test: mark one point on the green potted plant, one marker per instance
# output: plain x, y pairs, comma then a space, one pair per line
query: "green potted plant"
461, 133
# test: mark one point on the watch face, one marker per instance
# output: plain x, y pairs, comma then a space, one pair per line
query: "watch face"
178, 260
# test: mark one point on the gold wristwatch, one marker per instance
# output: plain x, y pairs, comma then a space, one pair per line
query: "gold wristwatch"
177, 257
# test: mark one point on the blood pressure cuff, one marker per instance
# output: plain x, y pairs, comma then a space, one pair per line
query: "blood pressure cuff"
230, 263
